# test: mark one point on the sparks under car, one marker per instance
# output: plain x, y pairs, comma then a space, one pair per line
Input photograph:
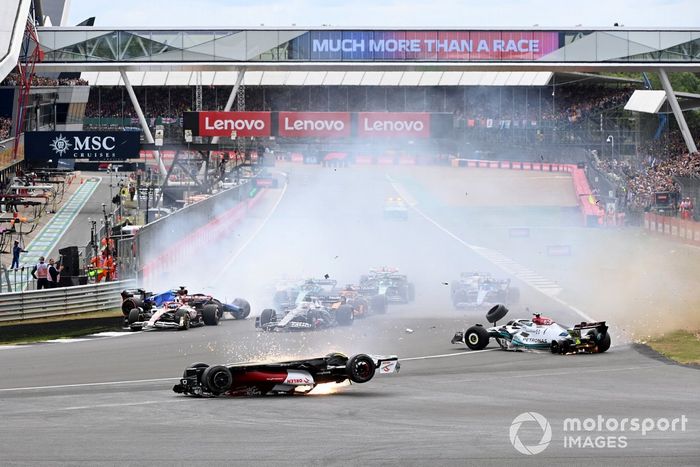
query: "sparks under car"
297, 376
536, 333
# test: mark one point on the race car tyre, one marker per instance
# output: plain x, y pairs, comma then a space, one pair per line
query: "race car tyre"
194, 365
344, 315
411, 292
219, 307
134, 315
134, 328
476, 338
182, 318
210, 314
360, 368
513, 295
131, 303
268, 315
554, 347
496, 313
244, 308
604, 343
217, 379
379, 304
336, 359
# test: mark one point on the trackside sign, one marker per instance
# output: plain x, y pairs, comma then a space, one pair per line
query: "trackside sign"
311, 124
245, 124
388, 124
92, 145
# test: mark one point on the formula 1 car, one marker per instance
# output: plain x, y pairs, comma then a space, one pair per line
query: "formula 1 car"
290, 293
538, 333
364, 301
395, 208
305, 316
388, 282
298, 376
479, 289
144, 301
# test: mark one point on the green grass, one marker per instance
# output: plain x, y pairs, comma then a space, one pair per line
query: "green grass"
681, 346
38, 330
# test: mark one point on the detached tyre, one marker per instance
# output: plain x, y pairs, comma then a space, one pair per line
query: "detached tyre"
210, 315
243, 307
345, 315
217, 379
496, 313
360, 368
477, 338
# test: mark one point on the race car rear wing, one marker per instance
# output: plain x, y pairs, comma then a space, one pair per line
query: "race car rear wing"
585, 325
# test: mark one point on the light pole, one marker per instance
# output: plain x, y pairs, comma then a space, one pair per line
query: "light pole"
611, 140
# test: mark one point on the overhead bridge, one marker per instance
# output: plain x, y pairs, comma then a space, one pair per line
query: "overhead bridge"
265, 49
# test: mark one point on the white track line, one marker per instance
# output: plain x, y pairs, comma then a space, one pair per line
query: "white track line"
230, 262
492, 258
84, 385
470, 352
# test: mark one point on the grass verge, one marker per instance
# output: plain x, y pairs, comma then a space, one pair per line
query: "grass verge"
43, 329
680, 346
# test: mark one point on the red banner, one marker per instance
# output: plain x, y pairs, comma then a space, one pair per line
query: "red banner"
384, 124
311, 124
245, 124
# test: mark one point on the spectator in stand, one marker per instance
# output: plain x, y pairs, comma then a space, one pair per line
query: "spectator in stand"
5, 128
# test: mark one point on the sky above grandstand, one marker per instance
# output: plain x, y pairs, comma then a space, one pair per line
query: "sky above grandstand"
394, 13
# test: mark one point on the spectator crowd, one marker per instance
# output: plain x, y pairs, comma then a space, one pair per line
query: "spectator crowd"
5, 128
13, 79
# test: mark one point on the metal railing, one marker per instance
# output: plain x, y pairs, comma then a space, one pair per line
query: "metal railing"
62, 301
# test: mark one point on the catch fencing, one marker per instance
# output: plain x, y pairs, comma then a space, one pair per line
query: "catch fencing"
62, 301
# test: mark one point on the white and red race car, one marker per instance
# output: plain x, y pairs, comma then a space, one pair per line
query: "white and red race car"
536, 333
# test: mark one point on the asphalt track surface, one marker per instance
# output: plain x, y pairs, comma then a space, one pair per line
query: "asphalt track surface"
108, 401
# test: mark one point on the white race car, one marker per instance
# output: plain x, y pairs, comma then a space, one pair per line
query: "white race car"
537, 333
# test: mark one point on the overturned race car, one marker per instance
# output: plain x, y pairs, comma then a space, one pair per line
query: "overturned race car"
537, 333
290, 377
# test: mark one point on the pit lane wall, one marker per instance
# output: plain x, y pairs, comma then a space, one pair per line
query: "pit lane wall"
590, 210
673, 228
172, 240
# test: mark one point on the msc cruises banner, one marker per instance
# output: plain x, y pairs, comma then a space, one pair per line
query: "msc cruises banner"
424, 45
92, 145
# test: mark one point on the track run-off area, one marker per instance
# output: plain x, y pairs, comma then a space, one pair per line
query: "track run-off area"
108, 400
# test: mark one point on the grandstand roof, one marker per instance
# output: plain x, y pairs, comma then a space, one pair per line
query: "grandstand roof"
13, 17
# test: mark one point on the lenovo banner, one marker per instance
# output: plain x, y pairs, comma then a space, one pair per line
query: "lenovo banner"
313, 124
390, 124
226, 124
41, 146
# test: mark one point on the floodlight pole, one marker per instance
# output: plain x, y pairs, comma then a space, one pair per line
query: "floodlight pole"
231, 98
142, 121
677, 112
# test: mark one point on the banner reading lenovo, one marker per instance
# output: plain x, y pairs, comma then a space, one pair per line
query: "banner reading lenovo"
393, 124
226, 124
314, 124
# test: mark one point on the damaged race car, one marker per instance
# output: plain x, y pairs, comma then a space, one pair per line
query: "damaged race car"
176, 309
297, 376
306, 316
479, 289
537, 333
390, 283
364, 301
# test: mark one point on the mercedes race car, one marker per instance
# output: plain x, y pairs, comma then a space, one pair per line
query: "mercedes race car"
306, 316
478, 289
395, 208
176, 309
537, 333
388, 282
298, 376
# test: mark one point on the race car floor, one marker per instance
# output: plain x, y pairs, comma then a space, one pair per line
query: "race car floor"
109, 401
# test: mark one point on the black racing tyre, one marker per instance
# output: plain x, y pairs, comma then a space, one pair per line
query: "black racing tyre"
345, 315
603, 342
244, 306
131, 303
477, 337
379, 304
219, 307
210, 314
360, 368
554, 347
134, 315
268, 315
336, 359
194, 365
496, 313
513, 295
182, 318
411, 292
217, 379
